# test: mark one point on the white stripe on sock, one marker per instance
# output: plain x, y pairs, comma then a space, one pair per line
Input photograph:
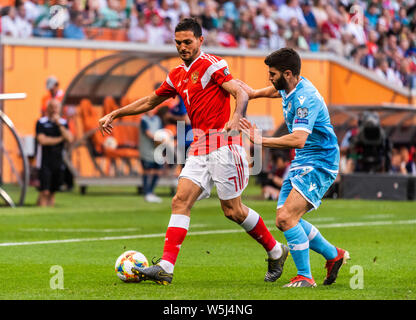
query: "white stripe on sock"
251, 221
298, 246
179, 221
312, 234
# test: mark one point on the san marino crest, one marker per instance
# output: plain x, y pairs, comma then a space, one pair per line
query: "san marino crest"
194, 77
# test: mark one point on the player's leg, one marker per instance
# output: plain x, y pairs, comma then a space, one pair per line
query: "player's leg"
287, 220
45, 180
335, 257
194, 184
254, 225
230, 173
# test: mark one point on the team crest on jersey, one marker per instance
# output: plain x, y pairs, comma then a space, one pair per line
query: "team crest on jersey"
194, 77
289, 106
302, 112
226, 72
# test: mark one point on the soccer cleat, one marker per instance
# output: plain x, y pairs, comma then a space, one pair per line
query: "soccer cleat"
275, 267
300, 282
334, 265
154, 273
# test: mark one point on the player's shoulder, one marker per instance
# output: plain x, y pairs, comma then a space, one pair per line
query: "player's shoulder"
306, 93
43, 120
211, 59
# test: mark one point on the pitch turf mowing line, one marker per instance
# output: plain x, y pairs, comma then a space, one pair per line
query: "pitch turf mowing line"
195, 233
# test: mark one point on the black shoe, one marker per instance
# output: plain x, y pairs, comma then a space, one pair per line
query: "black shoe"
275, 267
154, 273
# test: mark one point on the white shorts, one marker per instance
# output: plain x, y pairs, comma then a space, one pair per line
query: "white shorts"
226, 167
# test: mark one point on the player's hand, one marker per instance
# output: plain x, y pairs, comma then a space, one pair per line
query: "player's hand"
55, 118
105, 124
249, 90
251, 131
232, 128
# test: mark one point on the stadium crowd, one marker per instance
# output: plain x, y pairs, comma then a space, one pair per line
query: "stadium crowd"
377, 34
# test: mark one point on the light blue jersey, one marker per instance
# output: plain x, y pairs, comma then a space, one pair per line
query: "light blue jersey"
315, 167
305, 109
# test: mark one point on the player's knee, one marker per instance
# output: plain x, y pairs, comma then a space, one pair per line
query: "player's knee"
232, 212
283, 219
180, 203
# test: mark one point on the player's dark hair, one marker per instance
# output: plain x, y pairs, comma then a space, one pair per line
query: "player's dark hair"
189, 24
284, 59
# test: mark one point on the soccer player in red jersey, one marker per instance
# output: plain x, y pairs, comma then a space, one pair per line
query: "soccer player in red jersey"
216, 155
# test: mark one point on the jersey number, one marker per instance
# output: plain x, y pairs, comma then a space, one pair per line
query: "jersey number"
187, 95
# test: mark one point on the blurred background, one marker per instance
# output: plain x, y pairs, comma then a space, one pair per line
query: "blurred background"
98, 55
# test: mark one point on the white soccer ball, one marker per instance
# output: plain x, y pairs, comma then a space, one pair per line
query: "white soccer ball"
128, 260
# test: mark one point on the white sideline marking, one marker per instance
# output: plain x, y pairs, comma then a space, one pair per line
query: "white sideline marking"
74, 230
78, 230
196, 233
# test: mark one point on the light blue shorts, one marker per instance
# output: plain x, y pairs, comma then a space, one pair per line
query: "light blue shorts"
312, 183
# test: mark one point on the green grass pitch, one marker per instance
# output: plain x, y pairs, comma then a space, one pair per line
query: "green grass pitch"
85, 234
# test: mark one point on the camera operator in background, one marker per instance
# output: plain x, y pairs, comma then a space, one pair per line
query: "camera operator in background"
371, 145
51, 134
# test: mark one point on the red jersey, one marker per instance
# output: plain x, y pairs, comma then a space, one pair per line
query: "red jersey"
206, 102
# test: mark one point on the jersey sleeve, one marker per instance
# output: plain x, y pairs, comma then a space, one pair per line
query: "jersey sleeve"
167, 89
39, 128
218, 72
306, 113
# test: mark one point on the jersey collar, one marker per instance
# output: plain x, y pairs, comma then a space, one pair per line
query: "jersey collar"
188, 68
290, 93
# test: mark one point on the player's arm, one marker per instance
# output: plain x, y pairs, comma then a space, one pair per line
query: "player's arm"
267, 92
45, 140
137, 107
296, 139
65, 133
241, 101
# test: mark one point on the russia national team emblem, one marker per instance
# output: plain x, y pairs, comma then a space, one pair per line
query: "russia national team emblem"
302, 112
194, 77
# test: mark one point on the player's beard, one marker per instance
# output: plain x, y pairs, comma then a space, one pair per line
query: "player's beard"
192, 56
281, 83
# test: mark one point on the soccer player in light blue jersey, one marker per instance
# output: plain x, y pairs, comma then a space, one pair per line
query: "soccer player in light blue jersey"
313, 169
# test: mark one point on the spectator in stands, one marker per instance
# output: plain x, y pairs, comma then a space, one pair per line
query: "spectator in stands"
150, 123
308, 14
24, 27
289, 10
155, 31
397, 163
225, 36
319, 11
137, 30
33, 10
372, 14
51, 135
386, 29
74, 29
9, 25
385, 72
110, 16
